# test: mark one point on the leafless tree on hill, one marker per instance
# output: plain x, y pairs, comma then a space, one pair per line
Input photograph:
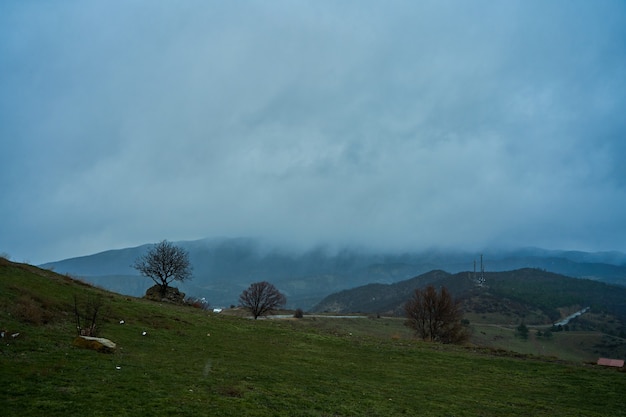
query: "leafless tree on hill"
435, 316
164, 263
261, 298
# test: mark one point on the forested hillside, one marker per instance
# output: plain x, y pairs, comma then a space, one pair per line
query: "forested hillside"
528, 289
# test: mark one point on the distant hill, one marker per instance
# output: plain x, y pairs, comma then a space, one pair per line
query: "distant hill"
224, 267
519, 292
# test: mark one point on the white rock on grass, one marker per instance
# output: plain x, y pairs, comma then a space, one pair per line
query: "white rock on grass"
98, 344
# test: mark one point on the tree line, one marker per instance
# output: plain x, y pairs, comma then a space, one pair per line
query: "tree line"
433, 315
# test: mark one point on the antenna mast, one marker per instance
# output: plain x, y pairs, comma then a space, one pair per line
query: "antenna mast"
480, 280
482, 271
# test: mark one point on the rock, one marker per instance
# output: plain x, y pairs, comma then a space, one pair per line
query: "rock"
98, 344
172, 295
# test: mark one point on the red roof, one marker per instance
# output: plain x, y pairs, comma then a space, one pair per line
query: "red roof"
618, 363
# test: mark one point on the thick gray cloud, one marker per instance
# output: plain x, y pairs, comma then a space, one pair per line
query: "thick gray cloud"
387, 124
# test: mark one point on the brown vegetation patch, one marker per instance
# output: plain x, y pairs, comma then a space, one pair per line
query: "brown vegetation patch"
30, 310
235, 391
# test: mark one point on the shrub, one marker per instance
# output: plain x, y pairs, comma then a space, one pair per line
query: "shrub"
435, 316
201, 303
298, 313
522, 331
88, 315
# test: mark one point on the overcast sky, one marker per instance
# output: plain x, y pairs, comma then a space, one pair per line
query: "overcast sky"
385, 124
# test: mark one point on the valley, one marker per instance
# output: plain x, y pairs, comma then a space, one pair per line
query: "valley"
181, 360
340, 282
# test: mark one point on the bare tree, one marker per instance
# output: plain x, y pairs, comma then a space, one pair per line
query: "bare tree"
164, 263
435, 316
87, 315
261, 298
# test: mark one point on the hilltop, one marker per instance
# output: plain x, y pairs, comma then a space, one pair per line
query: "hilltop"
186, 361
531, 288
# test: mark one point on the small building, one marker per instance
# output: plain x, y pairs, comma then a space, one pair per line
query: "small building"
617, 363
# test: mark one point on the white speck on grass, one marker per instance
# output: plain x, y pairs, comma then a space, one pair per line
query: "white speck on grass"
207, 368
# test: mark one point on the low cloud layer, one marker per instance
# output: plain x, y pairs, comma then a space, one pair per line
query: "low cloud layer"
397, 125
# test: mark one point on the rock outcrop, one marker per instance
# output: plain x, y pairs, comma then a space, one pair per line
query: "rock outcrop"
172, 295
99, 344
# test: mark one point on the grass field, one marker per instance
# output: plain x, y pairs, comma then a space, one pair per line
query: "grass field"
191, 362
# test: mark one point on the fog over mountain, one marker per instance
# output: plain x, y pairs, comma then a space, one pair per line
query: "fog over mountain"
224, 267
397, 126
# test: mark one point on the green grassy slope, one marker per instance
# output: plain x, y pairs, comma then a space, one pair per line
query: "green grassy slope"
194, 363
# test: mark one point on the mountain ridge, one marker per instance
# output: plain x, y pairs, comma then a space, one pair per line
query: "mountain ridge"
223, 267
530, 288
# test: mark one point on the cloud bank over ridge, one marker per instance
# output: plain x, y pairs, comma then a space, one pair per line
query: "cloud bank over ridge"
397, 125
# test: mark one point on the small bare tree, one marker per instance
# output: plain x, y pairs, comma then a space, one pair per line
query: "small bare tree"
435, 316
88, 315
261, 298
164, 263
